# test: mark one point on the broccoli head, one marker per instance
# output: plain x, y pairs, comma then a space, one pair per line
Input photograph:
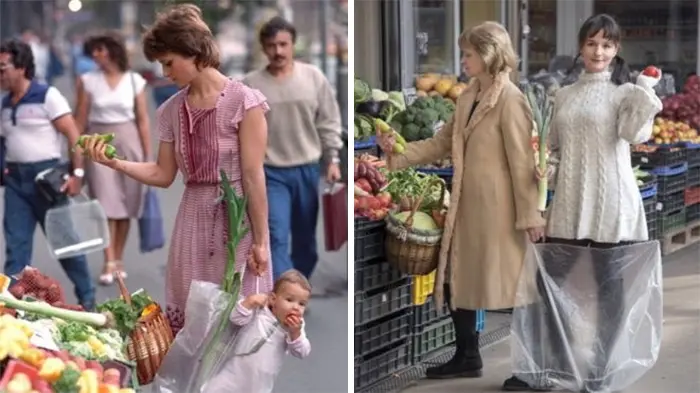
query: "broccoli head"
423, 103
410, 132
427, 117
426, 133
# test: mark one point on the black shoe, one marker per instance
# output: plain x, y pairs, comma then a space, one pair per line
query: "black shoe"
466, 362
514, 384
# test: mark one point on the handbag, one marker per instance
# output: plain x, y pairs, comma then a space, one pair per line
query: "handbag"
335, 216
49, 182
151, 234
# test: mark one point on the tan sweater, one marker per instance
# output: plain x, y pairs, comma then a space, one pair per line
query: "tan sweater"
304, 118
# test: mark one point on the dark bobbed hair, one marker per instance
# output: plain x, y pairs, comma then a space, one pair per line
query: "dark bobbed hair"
22, 56
113, 41
611, 31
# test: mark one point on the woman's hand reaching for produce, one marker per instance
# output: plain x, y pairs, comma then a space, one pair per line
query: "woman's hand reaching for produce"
96, 148
535, 234
386, 141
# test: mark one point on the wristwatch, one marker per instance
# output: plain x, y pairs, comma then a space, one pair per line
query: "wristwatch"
79, 173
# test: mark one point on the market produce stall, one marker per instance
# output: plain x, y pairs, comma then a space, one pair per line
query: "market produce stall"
47, 345
397, 327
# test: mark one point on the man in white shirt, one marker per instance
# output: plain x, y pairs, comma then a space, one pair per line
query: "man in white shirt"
32, 115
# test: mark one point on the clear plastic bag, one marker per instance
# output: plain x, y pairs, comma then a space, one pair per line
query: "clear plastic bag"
606, 304
254, 357
205, 307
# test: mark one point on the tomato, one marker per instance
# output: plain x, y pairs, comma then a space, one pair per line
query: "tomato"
652, 71
374, 203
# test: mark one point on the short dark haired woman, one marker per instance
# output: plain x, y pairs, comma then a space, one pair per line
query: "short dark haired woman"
213, 124
111, 99
596, 200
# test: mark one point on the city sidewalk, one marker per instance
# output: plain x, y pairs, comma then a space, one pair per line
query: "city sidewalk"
678, 367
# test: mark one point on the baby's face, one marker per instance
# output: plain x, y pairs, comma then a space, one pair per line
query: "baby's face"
289, 299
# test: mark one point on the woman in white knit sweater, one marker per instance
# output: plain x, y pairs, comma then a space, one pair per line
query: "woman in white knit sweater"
596, 201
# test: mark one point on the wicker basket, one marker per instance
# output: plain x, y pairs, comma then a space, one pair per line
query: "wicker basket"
413, 251
149, 341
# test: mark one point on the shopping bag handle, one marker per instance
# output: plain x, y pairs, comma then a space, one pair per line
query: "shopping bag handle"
257, 278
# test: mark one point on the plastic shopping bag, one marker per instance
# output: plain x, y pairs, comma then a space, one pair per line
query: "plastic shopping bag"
586, 317
254, 357
151, 234
205, 307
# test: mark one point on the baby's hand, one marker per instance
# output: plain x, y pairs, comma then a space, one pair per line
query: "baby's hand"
293, 324
259, 300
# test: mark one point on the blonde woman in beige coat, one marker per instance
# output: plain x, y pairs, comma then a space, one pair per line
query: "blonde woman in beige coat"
493, 205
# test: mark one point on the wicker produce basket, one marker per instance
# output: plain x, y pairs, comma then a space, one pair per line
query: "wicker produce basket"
149, 341
410, 250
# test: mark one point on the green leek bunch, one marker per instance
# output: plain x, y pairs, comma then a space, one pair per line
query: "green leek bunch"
542, 115
236, 207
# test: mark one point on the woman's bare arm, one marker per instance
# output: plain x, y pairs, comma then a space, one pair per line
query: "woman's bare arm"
143, 125
158, 174
82, 106
253, 141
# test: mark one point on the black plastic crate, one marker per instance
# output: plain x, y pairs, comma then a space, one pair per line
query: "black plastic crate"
376, 304
693, 177
652, 219
672, 221
671, 203
373, 275
662, 156
671, 184
693, 158
374, 368
383, 332
431, 339
427, 313
692, 213
650, 205
369, 239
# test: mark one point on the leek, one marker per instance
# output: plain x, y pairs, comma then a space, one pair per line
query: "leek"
542, 116
46, 310
236, 209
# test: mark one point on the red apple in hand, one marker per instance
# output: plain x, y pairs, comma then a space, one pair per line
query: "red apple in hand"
652, 72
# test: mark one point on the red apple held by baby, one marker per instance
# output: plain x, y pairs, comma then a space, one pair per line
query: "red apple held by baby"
652, 72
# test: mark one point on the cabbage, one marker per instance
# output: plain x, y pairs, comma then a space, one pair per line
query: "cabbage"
79, 348
421, 221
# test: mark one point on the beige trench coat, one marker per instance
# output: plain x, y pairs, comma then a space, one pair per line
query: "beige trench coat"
494, 195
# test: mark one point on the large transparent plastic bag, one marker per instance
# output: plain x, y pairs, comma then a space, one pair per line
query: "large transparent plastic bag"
253, 357
587, 318
178, 373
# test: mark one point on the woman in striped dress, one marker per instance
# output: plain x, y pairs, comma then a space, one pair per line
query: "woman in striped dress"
214, 123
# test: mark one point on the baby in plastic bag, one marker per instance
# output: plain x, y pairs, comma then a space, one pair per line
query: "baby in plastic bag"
272, 325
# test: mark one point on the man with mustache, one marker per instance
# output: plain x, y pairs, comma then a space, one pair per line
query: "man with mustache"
304, 127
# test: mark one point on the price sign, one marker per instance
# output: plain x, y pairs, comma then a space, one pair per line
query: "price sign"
409, 95
42, 338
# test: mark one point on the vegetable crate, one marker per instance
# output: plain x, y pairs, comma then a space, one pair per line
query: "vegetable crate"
649, 204
369, 239
692, 196
671, 179
429, 340
692, 213
374, 368
378, 303
443, 173
672, 221
671, 203
368, 146
660, 157
428, 313
652, 219
374, 337
693, 153
694, 176
374, 275
422, 288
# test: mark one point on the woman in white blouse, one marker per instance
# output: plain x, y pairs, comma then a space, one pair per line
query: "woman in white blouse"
111, 99
596, 199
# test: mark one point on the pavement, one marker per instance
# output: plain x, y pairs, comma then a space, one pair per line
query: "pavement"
676, 370
324, 371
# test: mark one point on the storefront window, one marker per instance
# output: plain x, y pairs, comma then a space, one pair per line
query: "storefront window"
436, 36
662, 33
542, 38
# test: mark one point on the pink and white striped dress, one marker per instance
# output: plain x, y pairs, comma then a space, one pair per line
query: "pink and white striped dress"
205, 141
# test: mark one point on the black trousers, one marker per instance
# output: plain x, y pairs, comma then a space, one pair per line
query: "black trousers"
610, 302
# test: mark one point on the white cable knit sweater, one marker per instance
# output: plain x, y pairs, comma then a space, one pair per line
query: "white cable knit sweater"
596, 195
